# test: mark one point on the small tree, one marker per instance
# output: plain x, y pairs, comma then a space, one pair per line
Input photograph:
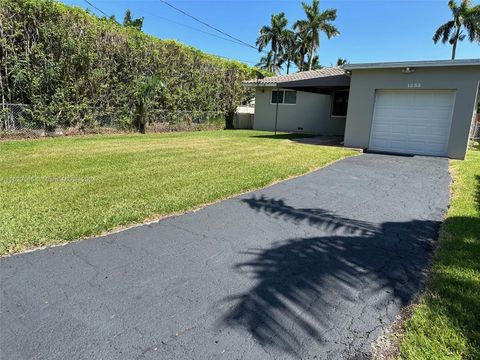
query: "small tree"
341, 61
129, 21
144, 89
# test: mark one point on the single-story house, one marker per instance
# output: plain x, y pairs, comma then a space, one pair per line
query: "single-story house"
415, 107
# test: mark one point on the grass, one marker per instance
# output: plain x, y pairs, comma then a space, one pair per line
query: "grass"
62, 189
446, 322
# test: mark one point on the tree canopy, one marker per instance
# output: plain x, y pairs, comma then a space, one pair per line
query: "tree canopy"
275, 34
316, 22
465, 23
128, 20
300, 45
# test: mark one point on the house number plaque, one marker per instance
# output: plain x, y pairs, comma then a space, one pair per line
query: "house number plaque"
414, 85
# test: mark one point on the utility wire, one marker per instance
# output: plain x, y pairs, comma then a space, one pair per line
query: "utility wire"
206, 33
228, 58
199, 30
208, 25
96, 8
231, 38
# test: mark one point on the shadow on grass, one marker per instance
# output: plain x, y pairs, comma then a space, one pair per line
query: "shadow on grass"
325, 288
477, 192
455, 283
454, 290
289, 136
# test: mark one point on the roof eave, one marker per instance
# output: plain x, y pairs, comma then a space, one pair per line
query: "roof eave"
417, 64
259, 84
321, 82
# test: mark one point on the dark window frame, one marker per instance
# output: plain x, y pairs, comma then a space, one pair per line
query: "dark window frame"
282, 102
276, 102
340, 110
285, 96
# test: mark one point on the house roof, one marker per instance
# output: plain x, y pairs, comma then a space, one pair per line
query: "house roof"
302, 75
417, 64
339, 71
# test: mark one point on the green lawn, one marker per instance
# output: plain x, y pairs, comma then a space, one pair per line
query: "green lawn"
62, 189
446, 323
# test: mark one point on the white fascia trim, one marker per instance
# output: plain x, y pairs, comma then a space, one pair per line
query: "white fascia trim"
413, 64
254, 85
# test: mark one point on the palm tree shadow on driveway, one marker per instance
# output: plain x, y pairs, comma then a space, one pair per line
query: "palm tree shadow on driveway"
335, 290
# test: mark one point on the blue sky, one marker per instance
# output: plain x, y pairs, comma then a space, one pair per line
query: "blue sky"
372, 30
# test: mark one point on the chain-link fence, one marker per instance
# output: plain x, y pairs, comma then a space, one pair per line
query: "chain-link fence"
476, 131
15, 117
475, 128
475, 135
21, 119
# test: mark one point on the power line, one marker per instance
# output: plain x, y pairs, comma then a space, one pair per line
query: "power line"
228, 58
231, 38
199, 30
96, 8
207, 33
208, 25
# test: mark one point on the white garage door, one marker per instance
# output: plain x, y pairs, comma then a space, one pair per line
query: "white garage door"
412, 121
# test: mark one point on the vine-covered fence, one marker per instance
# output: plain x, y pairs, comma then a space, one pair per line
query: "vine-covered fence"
18, 119
63, 67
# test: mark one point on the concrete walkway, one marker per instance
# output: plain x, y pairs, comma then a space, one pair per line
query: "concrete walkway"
311, 268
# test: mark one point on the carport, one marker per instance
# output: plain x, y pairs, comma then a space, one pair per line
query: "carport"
321, 85
313, 102
336, 86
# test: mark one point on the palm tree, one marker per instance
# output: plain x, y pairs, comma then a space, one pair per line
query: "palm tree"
273, 35
289, 45
144, 89
465, 18
302, 48
315, 63
267, 63
341, 61
315, 23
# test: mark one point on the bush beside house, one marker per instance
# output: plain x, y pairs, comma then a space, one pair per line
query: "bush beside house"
70, 66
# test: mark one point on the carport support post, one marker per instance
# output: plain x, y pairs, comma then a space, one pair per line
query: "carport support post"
276, 112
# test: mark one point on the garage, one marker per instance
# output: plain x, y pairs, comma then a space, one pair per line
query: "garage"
412, 107
412, 121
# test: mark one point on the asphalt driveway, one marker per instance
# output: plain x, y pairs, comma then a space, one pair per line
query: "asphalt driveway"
311, 268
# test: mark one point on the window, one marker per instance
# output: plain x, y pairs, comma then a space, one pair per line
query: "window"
340, 103
290, 97
277, 97
284, 97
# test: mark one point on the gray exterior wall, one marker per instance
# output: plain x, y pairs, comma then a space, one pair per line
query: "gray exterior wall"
364, 82
311, 112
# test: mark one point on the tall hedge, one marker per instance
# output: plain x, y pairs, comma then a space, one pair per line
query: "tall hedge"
67, 64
